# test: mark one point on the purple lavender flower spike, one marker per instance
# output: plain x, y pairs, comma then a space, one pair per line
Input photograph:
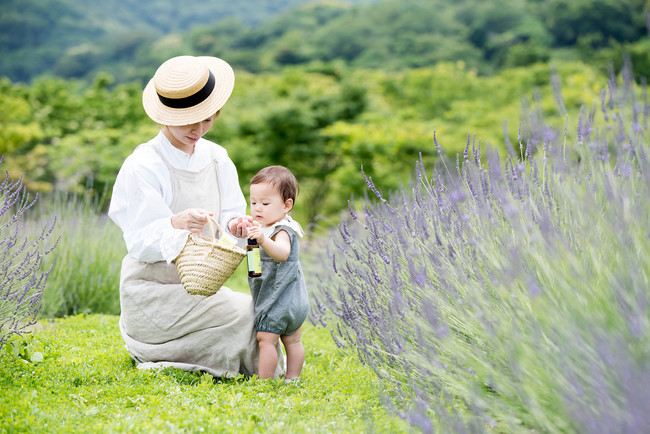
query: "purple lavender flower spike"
435, 141
22, 277
370, 184
352, 213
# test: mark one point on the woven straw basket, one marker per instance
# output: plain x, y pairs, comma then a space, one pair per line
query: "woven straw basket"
204, 265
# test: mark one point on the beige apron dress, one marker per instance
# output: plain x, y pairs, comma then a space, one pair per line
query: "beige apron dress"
162, 325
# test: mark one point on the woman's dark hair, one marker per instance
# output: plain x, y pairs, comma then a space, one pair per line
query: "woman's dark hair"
281, 178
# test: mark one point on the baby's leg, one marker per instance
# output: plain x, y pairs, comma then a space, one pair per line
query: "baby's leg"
268, 354
295, 354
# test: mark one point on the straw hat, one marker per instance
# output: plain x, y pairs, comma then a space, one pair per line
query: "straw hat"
186, 90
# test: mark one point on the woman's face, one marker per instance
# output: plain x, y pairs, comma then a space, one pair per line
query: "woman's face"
184, 137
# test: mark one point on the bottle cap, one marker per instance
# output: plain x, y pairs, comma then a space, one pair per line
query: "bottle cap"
252, 241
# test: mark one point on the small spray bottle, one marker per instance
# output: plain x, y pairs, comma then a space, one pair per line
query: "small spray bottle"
253, 258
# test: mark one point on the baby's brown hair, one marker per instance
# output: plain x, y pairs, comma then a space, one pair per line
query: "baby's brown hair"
279, 177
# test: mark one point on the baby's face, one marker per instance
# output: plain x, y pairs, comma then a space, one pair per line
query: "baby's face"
267, 206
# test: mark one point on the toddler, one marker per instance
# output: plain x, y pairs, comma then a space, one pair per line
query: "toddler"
280, 293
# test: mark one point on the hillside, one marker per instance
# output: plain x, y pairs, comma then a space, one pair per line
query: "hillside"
128, 39
69, 38
403, 34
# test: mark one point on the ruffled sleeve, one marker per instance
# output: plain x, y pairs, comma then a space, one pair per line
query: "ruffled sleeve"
288, 222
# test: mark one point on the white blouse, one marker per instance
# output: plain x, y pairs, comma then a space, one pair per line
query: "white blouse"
142, 195
286, 221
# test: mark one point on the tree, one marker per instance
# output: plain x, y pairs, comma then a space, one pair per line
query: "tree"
597, 20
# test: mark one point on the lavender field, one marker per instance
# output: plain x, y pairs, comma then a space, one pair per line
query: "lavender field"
507, 293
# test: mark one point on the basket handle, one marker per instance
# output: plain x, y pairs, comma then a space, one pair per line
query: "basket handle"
212, 222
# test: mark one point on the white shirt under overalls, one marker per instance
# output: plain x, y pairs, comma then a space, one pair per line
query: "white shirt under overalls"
142, 196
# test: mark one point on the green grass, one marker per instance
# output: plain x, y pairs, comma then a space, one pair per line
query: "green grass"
87, 382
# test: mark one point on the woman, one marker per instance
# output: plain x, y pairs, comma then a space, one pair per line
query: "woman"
166, 189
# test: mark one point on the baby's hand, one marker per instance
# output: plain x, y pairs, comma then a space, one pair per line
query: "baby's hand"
255, 232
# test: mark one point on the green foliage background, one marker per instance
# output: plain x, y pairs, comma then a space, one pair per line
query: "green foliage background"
65, 136
322, 87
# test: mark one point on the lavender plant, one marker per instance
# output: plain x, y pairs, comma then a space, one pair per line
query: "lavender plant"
508, 293
22, 279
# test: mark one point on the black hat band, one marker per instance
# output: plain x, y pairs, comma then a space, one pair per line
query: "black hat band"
192, 100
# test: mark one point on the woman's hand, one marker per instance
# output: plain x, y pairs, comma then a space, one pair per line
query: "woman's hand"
192, 219
239, 226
